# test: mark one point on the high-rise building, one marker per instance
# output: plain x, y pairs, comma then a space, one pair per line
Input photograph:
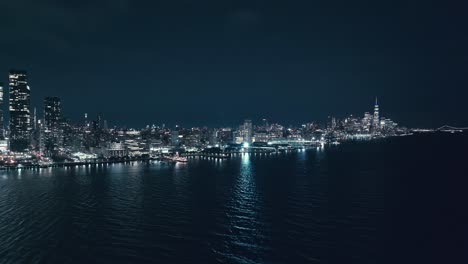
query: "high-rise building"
99, 121
248, 131
52, 112
265, 124
86, 124
53, 124
367, 122
20, 115
376, 119
2, 128
175, 137
34, 119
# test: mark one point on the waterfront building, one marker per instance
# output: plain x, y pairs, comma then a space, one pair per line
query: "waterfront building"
265, 125
20, 115
175, 137
276, 131
3, 145
52, 112
248, 131
2, 125
135, 147
388, 126
115, 149
192, 140
261, 136
237, 136
53, 124
213, 137
332, 123
225, 135
367, 122
352, 125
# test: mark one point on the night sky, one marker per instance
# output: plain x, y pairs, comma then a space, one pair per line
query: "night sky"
195, 62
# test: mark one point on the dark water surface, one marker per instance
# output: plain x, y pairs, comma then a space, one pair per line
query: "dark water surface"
399, 200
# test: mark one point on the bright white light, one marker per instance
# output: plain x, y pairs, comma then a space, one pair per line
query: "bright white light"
245, 145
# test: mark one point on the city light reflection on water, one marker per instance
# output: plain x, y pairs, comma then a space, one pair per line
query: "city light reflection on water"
243, 216
242, 209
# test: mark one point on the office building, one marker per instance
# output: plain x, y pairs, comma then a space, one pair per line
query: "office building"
2, 125
20, 115
248, 131
52, 112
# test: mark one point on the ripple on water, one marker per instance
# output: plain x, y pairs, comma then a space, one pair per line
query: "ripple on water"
260, 209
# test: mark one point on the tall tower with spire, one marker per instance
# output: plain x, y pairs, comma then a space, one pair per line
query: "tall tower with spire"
376, 119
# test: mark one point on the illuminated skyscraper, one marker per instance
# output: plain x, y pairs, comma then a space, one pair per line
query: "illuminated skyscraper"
20, 115
376, 119
265, 124
175, 137
367, 122
248, 131
99, 121
2, 131
34, 119
52, 112
53, 124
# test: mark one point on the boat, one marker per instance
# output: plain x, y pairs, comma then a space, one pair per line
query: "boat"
176, 158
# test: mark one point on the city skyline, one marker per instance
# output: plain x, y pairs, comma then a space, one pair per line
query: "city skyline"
5, 91
52, 113
233, 131
36, 139
221, 118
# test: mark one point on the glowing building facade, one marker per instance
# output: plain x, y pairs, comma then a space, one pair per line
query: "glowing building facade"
52, 112
53, 124
2, 128
248, 131
376, 119
20, 115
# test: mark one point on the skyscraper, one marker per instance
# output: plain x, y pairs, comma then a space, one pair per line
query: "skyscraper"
175, 137
248, 131
376, 119
34, 126
2, 131
367, 122
52, 112
53, 121
99, 121
53, 124
265, 124
20, 115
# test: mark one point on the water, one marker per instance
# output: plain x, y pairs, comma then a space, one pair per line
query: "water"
400, 200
